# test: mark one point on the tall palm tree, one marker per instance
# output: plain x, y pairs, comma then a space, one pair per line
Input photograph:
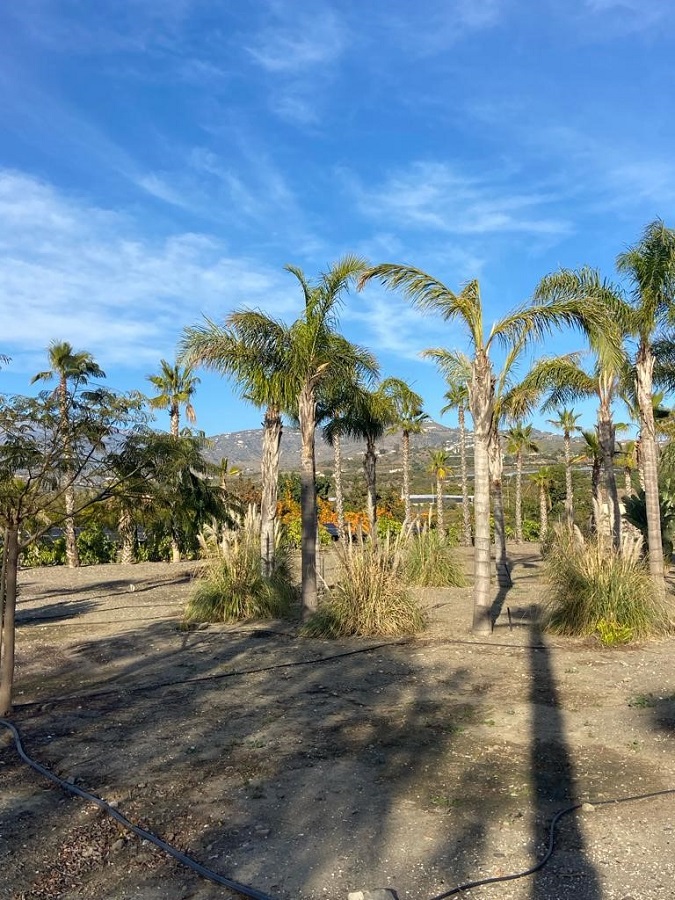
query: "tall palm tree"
567, 423
517, 328
72, 369
175, 386
457, 396
439, 466
543, 478
332, 410
252, 349
519, 441
409, 419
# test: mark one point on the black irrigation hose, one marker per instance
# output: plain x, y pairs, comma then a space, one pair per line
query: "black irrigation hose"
551, 843
125, 823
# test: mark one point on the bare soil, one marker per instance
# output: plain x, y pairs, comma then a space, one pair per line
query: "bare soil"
310, 768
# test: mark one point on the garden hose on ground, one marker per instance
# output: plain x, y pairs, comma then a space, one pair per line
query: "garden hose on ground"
125, 823
259, 895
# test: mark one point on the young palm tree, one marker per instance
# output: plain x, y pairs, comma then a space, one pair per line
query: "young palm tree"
627, 458
544, 481
517, 328
410, 419
593, 454
520, 442
332, 410
439, 466
457, 396
175, 387
567, 423
252, 349
72, 370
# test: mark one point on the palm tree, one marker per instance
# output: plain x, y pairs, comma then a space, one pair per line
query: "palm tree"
439, 466
410, 419
627, 458
544, 481
332, 409
525, 324
175, 387
253, 349
72, 369
457, 396
593, 454
519, 442
567, 423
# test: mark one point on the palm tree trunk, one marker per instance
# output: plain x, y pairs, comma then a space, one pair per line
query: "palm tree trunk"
307, 418
406, 478
440, 523
481, 400
466, 512
519, 497
269, 474
627, 481
543, 512
72, 556
607, 443
339, 494
370, 469
595, 491
126, 531
569, 493
644, 367
496, 470
11, 565
174, 418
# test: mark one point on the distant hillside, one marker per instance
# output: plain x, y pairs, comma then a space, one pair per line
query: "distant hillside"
243, 448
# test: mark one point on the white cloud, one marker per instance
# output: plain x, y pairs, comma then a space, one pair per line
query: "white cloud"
302, 40
71, 271
436, 197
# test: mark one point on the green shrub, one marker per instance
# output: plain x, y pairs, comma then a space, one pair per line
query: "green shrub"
430, 561
370, 596
386, 526
231, 586
597, 590
46, 552
95, 546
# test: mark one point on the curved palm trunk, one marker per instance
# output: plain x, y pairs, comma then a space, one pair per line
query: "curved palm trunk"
339, 493
519, 497
496, 470
307, 418
370, 469
269, 474
543, 512
72, 556
8, 599
466, 512
127, 534
481, 400
569, 492
440, 523
644, 368
607, 444
406, 478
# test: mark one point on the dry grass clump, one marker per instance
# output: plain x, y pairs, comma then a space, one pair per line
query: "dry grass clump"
231, 586
370, 596
430, 561
597, 590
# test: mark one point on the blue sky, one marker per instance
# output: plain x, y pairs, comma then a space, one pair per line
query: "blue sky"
164, 160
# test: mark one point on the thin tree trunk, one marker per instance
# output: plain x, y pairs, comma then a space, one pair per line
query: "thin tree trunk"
627, 481
174, 417
11, 551
406, 478
440, 523
339, 495
481, 400
569, 492
519, 497
644, 368
595, 491
496, 470
607, 444
175, 548
269, 474
370, 470
72, 556
307, 417
543, 512
126, 530
466, 512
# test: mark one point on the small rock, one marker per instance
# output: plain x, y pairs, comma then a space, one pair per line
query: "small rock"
587, 807
118, 845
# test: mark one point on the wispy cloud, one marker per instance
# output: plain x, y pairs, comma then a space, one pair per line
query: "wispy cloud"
298, 42
429, 28
77, 272
437, 197
620, 17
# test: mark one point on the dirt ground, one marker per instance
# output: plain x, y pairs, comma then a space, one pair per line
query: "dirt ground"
310, 768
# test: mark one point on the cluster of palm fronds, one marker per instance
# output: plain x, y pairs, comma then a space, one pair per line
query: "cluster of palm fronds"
231, 586
595, 589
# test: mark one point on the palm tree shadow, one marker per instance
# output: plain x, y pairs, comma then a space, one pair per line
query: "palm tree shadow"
569, 875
